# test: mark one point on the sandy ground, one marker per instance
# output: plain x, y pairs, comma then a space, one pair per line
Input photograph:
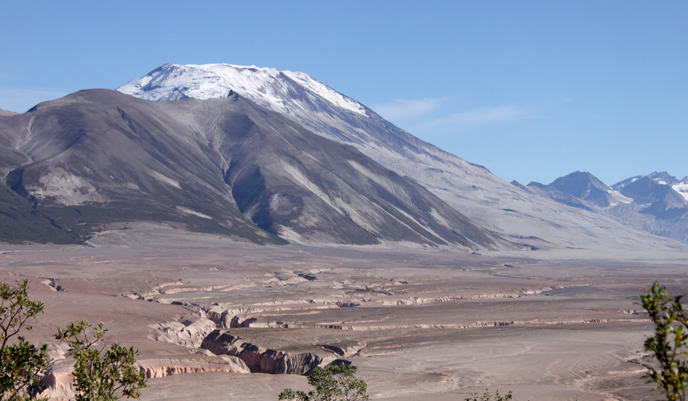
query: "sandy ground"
431, 324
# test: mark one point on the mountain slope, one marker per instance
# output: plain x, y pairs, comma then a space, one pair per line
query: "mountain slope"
467, 187
225, 165
20, 223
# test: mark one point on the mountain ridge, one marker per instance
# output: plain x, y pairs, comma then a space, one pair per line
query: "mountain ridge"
650, 202
229, 166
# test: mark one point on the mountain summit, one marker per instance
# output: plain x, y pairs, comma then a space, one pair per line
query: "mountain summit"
286, 92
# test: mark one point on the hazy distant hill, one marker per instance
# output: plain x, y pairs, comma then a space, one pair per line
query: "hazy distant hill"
652, 202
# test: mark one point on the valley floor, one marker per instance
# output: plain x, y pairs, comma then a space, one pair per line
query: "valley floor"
420, 323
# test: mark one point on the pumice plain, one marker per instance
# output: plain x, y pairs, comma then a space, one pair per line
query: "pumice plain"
414, 320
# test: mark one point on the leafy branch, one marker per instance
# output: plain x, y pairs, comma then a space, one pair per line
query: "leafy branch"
336, 383
101, 373
669, 341
22, 364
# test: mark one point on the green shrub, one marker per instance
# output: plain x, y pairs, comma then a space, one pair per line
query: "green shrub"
488, 397
101, 374
22, 365
336, 383
668, 342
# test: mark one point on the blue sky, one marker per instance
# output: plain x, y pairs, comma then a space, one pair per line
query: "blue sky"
532, 90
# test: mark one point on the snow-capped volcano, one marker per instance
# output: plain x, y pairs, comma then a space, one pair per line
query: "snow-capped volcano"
282, 91
469, 188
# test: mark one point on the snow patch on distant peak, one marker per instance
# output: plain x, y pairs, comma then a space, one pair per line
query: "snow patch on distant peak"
681, 188
268, 87
620, 198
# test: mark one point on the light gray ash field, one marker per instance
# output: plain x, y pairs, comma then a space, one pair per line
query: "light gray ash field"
249, 225
423, 322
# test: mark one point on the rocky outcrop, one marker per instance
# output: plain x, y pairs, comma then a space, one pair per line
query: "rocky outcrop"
259, 359
50, 282
174, 366
231, 318
188, 335
58, 379
239, 317
344, 350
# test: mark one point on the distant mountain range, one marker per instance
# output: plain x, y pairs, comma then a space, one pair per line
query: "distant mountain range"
270, 156
656, 203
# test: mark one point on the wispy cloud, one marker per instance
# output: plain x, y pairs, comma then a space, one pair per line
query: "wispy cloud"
481, 116
406, 109
437, 117
20, 100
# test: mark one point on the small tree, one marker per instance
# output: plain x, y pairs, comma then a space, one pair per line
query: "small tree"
669, 341
21, 364
101, 374
336, 383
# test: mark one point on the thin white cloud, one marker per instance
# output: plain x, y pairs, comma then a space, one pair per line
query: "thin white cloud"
480, 116
438, 116
405, 109
20, 100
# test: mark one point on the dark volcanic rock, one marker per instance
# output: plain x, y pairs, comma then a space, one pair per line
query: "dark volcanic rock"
221, 165
19, 222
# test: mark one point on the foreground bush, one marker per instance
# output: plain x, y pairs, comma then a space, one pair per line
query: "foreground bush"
669, 341
22, 365
488, 397
336, 383
100, 373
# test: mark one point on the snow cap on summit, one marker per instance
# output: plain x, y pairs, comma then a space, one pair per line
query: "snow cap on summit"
269, 87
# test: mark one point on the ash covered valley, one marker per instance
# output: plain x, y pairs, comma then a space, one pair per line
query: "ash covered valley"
242, 226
